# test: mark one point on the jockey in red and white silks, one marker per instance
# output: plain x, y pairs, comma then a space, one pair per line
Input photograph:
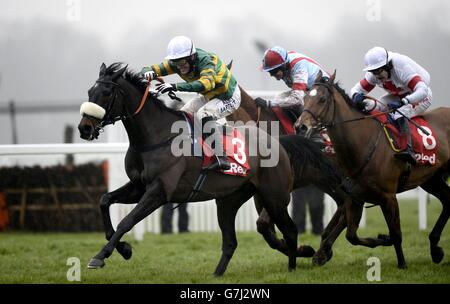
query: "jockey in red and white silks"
404, 80
298, 71
407, 84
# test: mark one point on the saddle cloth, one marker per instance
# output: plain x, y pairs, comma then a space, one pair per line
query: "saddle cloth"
286, 123
424, 146
234, 146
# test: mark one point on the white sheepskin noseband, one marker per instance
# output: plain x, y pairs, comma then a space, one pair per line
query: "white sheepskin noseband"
92, 109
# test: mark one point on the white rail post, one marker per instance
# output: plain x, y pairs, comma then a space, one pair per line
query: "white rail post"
423, 200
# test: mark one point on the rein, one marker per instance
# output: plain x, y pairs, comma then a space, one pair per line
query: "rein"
334, 123
107, 120
322, 126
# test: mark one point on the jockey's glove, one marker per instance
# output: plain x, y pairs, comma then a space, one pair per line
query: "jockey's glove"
405, 101
393, 105
358, 101
149, 74
163, 88
262, 103
358, 98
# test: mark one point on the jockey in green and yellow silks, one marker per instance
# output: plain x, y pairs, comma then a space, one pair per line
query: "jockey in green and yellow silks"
204, 73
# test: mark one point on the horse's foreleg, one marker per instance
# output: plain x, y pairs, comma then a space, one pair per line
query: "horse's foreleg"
152, 199
227, 208
353, 212
127, 194
441, 190
334, 228
392, 216
266, 228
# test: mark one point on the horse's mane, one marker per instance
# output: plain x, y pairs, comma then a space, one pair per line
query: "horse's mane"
337, 86
308, 153
137, 80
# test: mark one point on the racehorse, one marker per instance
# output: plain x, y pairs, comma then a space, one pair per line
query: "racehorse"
317, 169
370, 162
157, 176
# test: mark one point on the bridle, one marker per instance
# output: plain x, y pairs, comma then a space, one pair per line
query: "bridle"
108, 119
320, 125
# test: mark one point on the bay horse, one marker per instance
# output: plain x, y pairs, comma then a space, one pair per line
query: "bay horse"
370, 162
317, 169
157, 176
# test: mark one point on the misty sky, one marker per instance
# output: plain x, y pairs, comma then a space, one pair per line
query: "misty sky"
51, 50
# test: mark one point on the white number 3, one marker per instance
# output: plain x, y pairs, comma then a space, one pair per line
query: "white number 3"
240, 155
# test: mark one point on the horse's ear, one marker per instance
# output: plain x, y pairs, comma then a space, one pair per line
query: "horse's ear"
319, 76
119, 73
102, 69
333, 77
229, 65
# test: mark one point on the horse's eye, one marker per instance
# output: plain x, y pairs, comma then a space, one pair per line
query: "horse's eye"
107, 93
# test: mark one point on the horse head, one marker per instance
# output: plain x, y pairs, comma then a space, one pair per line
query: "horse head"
318, 103
105, 102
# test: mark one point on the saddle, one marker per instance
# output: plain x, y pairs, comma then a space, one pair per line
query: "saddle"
424, 146
287, 117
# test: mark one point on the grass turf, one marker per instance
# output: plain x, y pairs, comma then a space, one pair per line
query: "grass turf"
191, 258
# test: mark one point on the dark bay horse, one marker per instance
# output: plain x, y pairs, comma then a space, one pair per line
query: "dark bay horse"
157, 176
370, 161
316, 169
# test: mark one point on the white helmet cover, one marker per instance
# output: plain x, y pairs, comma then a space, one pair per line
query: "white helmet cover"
376, 58
180, 47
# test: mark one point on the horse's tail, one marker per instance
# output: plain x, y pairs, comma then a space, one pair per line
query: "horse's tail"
310, 165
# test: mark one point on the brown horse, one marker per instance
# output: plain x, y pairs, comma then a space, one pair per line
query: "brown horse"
316, 170
369, 160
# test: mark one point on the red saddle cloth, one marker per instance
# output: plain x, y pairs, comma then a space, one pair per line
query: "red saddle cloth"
424, 146
236, 151
284, 120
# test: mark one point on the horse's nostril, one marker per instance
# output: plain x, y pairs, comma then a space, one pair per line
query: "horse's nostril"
301, 129
85, 130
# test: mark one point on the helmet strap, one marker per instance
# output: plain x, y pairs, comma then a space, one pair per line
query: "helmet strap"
192, 62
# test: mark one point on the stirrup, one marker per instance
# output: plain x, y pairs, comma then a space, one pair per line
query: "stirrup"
219, 164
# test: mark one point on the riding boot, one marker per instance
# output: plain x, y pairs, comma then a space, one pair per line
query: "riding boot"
408, 154
220, 161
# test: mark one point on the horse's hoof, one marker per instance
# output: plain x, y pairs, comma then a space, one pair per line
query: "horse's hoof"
305, 251
402, 266
437, 254
319, 259
125, 250
385, 239
95, 263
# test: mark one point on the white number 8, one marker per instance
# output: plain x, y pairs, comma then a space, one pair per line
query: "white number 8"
429, 142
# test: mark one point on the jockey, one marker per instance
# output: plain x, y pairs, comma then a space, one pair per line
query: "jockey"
298, 71
205, 74
407, 84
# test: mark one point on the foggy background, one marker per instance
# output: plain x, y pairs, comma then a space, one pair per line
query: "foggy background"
51, 50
